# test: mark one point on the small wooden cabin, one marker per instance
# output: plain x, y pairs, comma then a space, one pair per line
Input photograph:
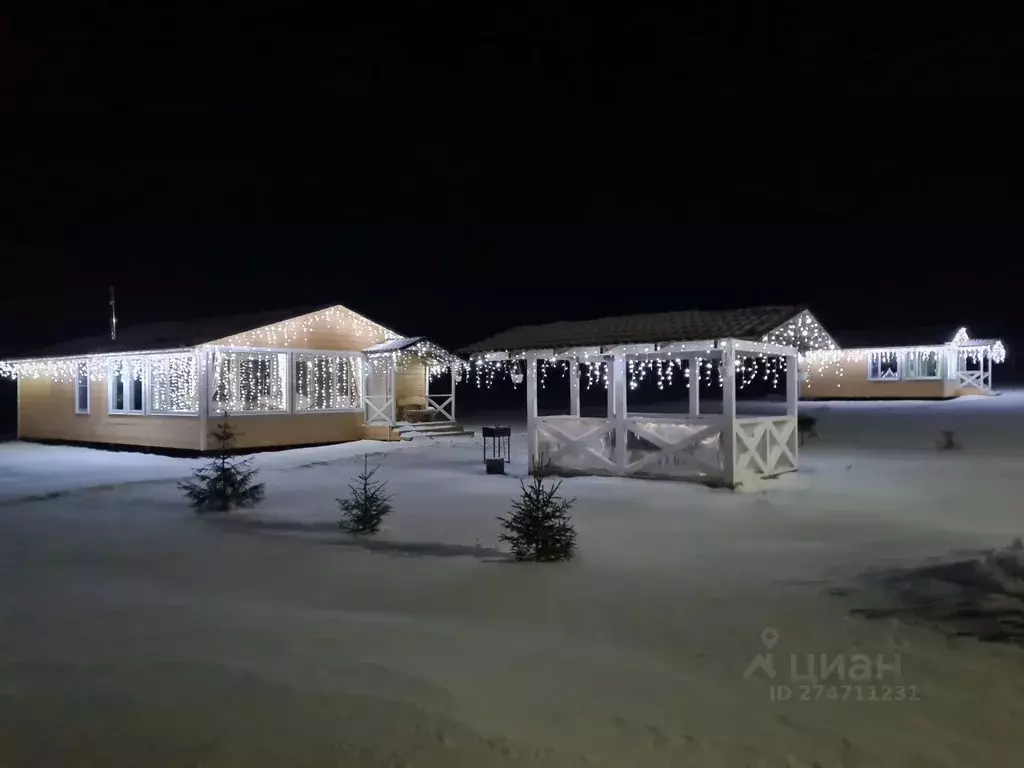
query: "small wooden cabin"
292, 378
935, 369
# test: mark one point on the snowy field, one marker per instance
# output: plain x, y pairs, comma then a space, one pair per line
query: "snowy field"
134, 633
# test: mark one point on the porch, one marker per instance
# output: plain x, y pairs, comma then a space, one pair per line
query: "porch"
409, 388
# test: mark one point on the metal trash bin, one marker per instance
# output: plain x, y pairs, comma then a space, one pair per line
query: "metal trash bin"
500, 452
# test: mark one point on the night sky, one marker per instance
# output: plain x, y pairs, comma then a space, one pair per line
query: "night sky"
455, 176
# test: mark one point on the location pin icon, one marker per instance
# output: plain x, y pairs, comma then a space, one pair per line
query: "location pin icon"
769, 637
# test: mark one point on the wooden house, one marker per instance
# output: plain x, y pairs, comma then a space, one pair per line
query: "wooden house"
299, 377
938, 366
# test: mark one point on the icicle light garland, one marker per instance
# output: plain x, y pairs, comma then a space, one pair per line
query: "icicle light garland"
404, 359
819, 355
298, 329
803, 332
594, 372
174, 384
249, 382
327, 382
67, 369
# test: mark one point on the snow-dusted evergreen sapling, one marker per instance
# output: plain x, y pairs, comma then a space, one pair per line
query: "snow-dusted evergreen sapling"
227, 481
367, 505
805, 426
539, 527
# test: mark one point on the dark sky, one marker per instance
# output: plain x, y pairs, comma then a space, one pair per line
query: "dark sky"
455, 176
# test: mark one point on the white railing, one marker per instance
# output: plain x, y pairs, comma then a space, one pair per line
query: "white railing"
378, 409
656, 446
674, 446
766, 446
443, 404
669, 446
576, 444
977, 379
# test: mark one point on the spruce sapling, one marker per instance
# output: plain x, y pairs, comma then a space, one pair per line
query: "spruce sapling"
227, 481
539, 527
367, 505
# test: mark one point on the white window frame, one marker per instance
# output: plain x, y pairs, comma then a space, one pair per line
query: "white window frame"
83, 370
897, 359
911, 372
112, 391
293, 395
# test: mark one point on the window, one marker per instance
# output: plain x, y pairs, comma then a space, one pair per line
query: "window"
82, 389
883, 366
921, 364
326, 382
173, 384
126, 386
223, 371
250, 382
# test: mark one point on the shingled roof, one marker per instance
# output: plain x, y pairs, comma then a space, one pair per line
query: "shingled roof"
184, 334
690, 325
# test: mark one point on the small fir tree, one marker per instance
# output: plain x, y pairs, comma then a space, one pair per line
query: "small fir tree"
367, 505
539, 527
806, 427
227, 481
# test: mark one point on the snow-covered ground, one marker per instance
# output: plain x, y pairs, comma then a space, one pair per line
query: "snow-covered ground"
134, 633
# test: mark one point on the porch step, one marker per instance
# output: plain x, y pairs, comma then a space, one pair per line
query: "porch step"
410, 431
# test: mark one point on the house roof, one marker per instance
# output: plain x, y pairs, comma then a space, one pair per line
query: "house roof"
173, 335
419, 344
690, 325
394, 345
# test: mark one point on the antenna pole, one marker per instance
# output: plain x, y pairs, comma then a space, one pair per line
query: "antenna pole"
113, 315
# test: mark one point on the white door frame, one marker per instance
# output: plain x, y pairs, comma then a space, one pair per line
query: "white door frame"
379, 406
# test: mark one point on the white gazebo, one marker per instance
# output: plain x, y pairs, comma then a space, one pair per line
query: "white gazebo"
720, 448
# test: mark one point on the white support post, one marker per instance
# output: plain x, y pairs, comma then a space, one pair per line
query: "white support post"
792, 384
694, 409
574, 387
18, 402
729, 412
391, 392
204, 361
426, 385
621, 429
609, 368
451, 376
532, 447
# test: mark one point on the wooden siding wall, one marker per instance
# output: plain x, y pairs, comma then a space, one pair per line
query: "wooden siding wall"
47, 412
854, 383
325, 332
411, 382
382, 432
296, 429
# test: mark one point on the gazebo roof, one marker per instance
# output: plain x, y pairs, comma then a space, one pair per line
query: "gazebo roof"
691, 325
